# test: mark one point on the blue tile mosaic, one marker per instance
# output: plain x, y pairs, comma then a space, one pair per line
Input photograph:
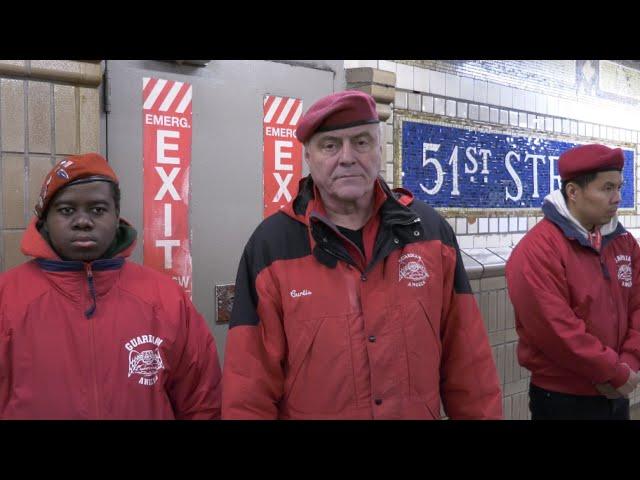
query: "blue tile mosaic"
465, 168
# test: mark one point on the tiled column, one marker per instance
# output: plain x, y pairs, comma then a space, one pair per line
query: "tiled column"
48, 109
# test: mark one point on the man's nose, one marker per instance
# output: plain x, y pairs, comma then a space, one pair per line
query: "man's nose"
82, 220
347, 154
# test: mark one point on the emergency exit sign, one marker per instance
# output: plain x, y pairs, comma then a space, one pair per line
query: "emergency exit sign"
282, 167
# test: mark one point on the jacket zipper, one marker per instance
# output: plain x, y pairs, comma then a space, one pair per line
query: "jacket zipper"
92, 344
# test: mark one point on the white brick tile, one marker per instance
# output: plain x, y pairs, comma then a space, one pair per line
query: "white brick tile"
465, 241
451, 108
387, 65
480, 91
389, 173
522, 120
483, 225
552, 105
530, 101
389, 150
463, 110
504, 117
484, 113
548, 124
400, 100
493, 241
461, 225
506, 96
493, 225
513, 118
513, 224
522, 224
574, 127
541, 103
438, 106
436, 83
421, 79
452, 85
414, 101
588, 129
519, 99
566, 126
404, 76
472, 228
494, 115
427, 104
581, 129
474, 111
557, 125
532, 121
493, 93
531, 222
480, 241
466, 88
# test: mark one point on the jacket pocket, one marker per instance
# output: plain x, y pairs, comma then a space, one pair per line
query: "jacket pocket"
320, 372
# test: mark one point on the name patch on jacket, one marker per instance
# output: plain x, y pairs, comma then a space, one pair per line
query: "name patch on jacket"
411, 268
625, 273
145, 363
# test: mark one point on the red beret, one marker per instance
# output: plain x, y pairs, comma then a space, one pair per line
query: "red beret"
89, 167
338, 110
589, 158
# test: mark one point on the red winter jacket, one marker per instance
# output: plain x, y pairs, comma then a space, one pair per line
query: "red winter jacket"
577, 310
320, 332
138, 349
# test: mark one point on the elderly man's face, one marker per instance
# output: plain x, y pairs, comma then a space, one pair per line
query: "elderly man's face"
345, 163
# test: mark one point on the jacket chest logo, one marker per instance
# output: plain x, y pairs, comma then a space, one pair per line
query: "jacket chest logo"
411, 268
145, 363
625, 272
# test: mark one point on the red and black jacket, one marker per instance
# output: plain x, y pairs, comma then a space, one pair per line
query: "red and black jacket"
319, 330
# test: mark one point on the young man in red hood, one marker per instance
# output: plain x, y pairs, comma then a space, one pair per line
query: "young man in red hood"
353, 302
85, 334
573, 280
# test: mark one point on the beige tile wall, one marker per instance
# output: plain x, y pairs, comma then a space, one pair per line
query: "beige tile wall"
48, 109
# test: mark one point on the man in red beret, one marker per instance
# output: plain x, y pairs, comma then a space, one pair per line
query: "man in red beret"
85, 334
352, 302
573, 281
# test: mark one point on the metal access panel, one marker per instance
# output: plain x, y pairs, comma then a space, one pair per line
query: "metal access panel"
226, 201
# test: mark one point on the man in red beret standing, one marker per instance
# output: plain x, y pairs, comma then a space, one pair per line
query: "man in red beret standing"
85, 334
352, 302
573, 280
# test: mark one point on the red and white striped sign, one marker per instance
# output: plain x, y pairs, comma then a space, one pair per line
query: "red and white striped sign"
166, 126
282, 152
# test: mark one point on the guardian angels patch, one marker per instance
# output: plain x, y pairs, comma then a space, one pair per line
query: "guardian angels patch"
625, 272
411, 268
144, 358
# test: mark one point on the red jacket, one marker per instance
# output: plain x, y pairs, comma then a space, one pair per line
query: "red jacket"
138, 349
320, 332
577, 309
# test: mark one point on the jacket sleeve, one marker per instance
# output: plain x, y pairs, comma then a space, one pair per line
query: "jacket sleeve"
538, 288
630, 349
470, 386
195, 387
253, 378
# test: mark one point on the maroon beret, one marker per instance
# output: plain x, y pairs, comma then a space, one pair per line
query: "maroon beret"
338, 110
588, 159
